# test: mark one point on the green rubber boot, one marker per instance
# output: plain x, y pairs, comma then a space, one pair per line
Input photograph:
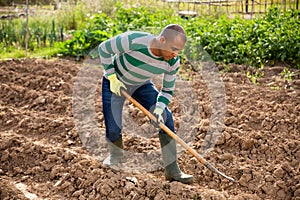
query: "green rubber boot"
115, 153
169, 155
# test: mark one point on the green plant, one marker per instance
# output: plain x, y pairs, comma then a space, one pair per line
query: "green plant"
226, 69
287, 75
13, 33
101, 27
254, 77
253, 42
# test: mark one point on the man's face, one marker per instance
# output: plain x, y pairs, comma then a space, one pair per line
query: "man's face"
170, 49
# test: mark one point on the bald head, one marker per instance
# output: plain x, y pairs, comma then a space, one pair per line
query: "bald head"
170, 41
171, 31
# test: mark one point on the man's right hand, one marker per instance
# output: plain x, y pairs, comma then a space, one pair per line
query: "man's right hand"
115, 84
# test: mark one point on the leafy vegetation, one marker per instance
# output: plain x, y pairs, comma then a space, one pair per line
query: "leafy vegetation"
100, 27
256, 42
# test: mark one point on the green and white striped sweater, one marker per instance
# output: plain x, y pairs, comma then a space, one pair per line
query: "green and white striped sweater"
129, 56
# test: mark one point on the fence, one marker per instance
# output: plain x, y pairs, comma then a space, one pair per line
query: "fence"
248, 8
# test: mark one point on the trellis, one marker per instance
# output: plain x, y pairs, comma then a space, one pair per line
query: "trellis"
190, 8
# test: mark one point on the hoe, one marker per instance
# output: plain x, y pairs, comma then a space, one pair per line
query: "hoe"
174, 136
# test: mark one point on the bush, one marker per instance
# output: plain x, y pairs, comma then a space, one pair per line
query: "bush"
255, 42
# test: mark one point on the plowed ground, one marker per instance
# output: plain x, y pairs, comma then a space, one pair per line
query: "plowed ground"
43, 156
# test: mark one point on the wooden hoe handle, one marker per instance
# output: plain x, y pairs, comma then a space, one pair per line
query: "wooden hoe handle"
174, 136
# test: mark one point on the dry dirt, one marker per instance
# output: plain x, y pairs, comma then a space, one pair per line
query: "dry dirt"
43, 156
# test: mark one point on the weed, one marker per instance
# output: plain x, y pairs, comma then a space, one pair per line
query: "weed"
256, 76
287, 75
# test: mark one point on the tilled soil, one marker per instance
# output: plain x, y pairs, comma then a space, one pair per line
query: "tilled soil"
52, 139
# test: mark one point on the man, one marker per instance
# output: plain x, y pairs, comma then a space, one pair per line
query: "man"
130, 60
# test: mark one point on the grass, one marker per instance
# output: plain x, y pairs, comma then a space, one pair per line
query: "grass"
15, 53
46, 52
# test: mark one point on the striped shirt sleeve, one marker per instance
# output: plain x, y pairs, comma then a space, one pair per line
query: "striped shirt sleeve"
168, 86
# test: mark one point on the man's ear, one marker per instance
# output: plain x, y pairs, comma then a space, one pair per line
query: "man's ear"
162, 40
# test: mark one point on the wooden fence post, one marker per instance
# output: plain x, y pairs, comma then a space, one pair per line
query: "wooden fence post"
27, 34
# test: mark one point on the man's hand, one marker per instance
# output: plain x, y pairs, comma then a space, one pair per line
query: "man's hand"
115, 84
158, 113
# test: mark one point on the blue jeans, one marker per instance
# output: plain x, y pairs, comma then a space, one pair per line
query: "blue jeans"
112, 106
